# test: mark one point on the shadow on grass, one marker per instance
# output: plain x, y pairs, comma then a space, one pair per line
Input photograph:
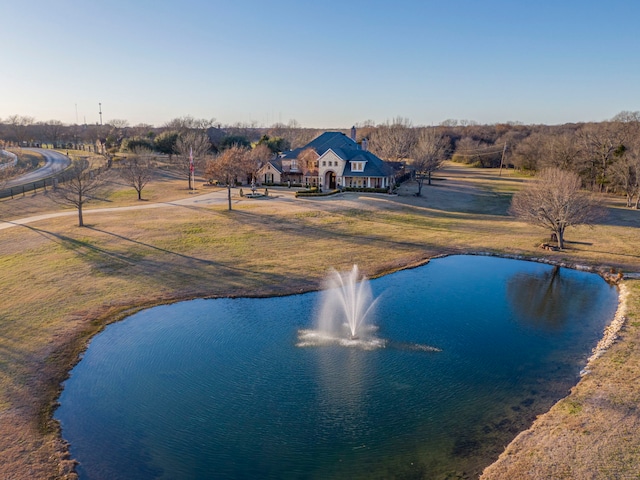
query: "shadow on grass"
621, 217
187, 273
298, 227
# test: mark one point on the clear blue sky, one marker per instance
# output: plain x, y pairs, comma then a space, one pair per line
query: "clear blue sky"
323, 63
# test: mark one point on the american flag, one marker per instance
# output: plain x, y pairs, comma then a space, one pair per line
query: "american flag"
191, 159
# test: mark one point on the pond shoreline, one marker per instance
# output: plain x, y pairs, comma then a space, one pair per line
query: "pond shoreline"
81, 342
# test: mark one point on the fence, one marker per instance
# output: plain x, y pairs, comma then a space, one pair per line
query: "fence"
32, 187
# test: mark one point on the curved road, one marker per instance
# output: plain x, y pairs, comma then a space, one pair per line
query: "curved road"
54, 162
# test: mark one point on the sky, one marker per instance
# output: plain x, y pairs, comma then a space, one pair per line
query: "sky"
324, 64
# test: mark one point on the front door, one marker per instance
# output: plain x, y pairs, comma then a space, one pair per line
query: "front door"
330, 180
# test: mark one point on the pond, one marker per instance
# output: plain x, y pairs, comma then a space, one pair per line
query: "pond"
221, 388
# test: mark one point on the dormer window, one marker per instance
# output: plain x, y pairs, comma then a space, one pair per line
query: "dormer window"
357, 166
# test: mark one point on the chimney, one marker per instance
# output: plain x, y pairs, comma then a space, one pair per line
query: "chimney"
365, 144
353, 133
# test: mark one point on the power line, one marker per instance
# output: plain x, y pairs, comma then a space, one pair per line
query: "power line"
477, 154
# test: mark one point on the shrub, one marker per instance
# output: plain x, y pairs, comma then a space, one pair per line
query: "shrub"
314, 192
365, 189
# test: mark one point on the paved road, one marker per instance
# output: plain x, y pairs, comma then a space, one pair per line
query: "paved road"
54, 162
216, 197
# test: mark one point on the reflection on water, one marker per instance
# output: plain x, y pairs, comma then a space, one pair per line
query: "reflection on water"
545, 299
343, 378
474, 348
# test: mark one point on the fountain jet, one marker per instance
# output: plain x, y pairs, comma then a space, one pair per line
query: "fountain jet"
347, 302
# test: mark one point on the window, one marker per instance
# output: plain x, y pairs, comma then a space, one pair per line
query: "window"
294, 164
357, 166
324, 163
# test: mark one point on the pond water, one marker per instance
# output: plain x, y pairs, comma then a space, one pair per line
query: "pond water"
219, 389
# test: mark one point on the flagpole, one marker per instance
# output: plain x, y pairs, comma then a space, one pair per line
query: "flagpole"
191, 170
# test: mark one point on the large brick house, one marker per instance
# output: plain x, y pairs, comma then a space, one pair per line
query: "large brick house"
330, 161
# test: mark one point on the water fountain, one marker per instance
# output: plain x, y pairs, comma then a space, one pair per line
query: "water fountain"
346, 306
184, 390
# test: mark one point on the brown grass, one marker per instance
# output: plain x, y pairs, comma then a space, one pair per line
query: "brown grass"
61, 284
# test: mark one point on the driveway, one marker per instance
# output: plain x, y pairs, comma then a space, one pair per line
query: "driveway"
219, 196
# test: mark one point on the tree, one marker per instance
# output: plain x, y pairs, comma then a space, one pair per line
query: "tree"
561, 151
255, 159
227, 167
53, 130
137, 170
308, 160
191, 149
79, 185
555, 201
188, 123
625, 172
166, 142
275, 144
428, 154
134, 144
234, 140
19, 126
599, 144
393, 140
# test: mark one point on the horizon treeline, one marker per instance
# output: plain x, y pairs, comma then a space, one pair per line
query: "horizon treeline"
605, 154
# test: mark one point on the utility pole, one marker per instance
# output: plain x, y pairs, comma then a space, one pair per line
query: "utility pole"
504, 150
100, 112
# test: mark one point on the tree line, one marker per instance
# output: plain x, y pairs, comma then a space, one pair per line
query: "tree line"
602, 157
605, 155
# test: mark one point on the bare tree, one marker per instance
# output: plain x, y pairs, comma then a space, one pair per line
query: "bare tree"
308, 160
625, 172
555, 201
191, 149
53, 131
80, 184
19, 127
428, 154
255, 159
227, 167
188, 123
137, 170
599, 144
393, 140
561, 151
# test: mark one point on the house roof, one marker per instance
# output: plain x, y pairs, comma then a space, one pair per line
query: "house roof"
275, 163
326, 141
345, 148
374, 166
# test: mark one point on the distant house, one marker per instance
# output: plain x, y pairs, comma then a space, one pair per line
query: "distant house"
330, 161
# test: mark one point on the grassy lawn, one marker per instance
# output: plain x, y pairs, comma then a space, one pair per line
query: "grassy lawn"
61, 284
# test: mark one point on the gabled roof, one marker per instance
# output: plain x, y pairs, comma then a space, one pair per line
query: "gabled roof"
275, 163
373, 167
326, 141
